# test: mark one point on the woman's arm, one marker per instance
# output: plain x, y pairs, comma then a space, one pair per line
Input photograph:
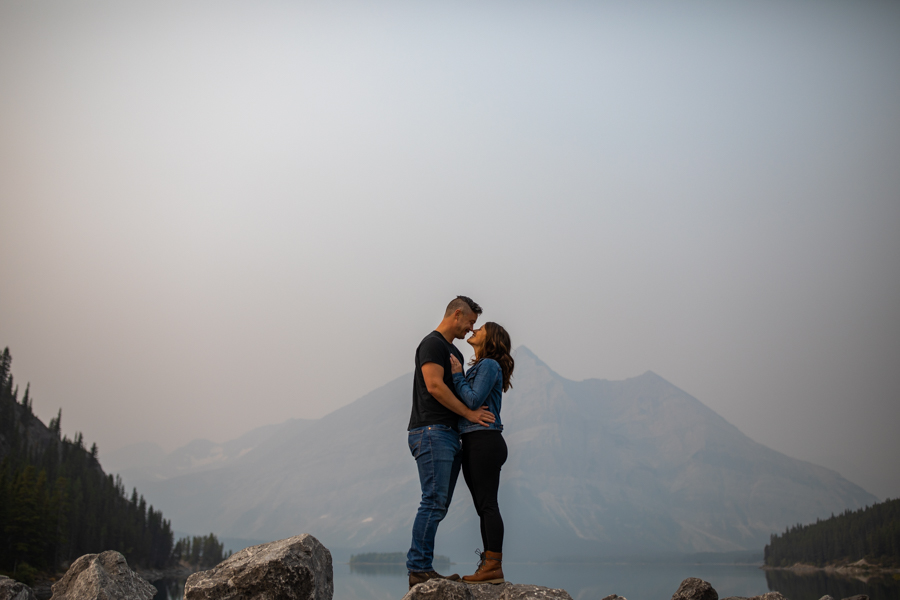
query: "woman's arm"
474, 393
433, 374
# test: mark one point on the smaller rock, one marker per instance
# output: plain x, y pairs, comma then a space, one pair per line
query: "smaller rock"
826, 597
695, 589
10, 589
615, 597
103, 576
296, 568
858, 596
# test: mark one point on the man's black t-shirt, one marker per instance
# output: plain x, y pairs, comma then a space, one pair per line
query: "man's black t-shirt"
426, 410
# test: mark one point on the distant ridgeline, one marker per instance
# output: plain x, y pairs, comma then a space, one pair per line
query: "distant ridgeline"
389, 558
872, 533
56, 503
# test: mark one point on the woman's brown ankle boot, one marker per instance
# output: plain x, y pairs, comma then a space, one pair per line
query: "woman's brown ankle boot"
490, 569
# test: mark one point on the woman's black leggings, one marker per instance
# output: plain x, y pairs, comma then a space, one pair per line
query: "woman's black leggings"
483, 453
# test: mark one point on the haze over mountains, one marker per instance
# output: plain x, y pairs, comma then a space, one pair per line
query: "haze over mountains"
596, 468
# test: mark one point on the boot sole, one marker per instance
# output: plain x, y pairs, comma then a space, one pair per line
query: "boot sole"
492, 581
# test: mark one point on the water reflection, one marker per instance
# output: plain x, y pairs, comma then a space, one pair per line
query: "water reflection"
169, 589
374, 569
814, 585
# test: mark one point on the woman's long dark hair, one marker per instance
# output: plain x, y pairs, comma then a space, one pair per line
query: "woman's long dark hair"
497, 346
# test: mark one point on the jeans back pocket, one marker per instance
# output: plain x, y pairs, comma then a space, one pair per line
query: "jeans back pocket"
415, 442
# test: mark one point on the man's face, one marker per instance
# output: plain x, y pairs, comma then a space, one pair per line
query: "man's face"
465, 321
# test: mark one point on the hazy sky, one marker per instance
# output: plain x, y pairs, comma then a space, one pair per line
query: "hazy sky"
217, 215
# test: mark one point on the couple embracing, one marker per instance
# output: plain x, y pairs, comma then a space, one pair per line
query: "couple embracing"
455, 424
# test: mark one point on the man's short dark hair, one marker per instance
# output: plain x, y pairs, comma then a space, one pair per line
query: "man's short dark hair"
462, 303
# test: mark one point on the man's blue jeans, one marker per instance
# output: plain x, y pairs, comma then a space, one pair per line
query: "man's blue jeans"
436, 449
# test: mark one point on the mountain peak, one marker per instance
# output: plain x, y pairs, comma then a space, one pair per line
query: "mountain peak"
524, 352
650, 376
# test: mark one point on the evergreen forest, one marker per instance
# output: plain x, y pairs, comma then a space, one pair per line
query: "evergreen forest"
201, 552
871, 533
57, 504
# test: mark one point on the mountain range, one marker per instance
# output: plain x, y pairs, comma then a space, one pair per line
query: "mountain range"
596, 468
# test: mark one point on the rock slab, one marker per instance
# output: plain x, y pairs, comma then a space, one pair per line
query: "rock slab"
766, 596
297, 568
104, 576
10, 589
441, 589
695, 589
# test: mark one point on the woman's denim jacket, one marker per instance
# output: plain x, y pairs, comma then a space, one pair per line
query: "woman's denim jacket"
482, 385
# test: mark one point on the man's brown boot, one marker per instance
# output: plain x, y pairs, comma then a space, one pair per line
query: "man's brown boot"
490, 569
422, 577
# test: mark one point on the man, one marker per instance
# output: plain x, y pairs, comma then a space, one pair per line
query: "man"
433, 431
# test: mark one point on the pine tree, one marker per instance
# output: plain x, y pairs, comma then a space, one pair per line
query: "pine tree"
5, 363
56, 423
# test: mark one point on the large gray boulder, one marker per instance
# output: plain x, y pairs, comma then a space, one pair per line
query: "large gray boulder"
695, 589
441, 589
103, 576
298, 568
10, 589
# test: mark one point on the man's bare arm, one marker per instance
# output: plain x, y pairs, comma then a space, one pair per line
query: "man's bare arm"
434, 381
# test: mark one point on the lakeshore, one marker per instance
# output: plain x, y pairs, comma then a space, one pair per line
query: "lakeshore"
860, 570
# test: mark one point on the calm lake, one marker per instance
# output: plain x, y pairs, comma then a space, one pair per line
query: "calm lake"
594, 582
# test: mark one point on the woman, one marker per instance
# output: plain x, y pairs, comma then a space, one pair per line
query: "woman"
483, 448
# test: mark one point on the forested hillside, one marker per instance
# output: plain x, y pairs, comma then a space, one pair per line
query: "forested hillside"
872, 533
56, 503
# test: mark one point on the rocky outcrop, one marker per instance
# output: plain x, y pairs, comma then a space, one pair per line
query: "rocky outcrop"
103, 576
297, 568
766, 596
779, 596
10, 589
519, 591
691, 588
441, 589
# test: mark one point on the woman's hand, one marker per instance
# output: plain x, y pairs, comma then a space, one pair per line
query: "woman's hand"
455, 365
